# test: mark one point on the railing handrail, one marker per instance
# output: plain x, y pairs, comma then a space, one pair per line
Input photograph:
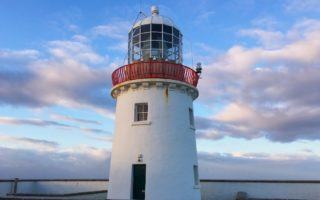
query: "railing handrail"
155, 69
201, 180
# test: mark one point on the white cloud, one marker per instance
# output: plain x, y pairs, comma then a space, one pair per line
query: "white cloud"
269, 39
267, 22
302, 5
116, 30
27, 53
258, 166
89, 162
33, 122
73, 75
28, 143
74, 119
95, 133
76, 50
270, 93
75, 162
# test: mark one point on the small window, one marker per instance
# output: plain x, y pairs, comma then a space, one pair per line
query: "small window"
141, 112
196, 174
191, 118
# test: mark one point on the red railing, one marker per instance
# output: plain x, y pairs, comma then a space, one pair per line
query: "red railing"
155, 69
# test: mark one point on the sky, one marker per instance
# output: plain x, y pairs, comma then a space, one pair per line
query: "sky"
257, 116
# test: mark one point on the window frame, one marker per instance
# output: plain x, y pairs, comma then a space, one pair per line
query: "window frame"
167, 35
143, 112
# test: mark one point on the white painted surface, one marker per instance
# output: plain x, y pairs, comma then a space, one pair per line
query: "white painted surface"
167, 143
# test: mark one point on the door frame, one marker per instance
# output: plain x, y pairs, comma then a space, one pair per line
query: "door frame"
132, 177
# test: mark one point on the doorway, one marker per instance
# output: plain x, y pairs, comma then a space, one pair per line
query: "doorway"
139, 181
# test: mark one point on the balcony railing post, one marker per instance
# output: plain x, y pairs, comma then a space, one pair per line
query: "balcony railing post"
14, 187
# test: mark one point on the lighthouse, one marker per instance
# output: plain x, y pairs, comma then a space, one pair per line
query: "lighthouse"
154, 153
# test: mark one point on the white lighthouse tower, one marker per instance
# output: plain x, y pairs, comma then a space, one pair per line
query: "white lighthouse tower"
154, 152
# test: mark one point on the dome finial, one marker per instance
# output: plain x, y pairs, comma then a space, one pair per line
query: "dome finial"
154, 10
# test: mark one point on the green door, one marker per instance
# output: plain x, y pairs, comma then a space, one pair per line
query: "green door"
139, 181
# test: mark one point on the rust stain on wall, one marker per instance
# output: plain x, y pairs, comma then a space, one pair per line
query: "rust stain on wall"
166, 93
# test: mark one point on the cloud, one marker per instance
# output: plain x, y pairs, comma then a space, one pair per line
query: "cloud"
28, 143
265, 22
302, 5
76, 162
33, 122
115, 30
75, 119
210, 135
89, 162
258, 166
22, 54
269, 39
204, 16
76, 50
271, 93
15, 61
274, 39
46, 123
72, 75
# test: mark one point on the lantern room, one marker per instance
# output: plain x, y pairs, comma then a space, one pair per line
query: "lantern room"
155, 38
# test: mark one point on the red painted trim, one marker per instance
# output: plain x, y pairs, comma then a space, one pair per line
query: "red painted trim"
155, 69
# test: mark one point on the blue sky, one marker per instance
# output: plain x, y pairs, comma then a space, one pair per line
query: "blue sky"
258, 104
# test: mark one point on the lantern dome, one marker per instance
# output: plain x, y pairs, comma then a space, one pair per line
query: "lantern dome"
155, 18
155, 37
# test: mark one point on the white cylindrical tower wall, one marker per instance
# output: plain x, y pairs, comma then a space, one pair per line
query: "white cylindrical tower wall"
166, 140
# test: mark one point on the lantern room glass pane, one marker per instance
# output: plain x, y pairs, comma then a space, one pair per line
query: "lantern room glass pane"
129, 35
175, 40
157, 27
146, 54
167, 29
145, 28
136, 31
176, 32
157, 44
145, 45
136, 39
136, 56
156, 53
167, 37
145, 36
156, 36
167, 45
